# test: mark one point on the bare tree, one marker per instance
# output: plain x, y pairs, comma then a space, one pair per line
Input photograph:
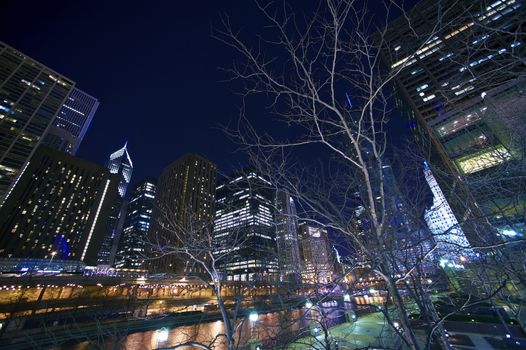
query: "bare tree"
194, 239
321, 70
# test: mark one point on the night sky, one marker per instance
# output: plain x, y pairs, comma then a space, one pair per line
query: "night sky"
152, 65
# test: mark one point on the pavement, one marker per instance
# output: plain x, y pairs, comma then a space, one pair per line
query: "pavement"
367, 331
372, 331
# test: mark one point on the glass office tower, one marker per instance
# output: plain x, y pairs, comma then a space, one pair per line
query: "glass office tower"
72, 122
131, 251
121, 164
37, 106
244, 229
459, 69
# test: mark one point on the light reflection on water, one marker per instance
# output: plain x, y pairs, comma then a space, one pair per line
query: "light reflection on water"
271, 328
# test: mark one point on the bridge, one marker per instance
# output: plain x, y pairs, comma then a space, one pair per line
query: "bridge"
38, 309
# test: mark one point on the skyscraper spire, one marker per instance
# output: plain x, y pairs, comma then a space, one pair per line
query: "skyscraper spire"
119, 163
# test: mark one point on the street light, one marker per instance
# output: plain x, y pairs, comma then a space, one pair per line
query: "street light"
50, 260
308, 304
162, 335
254, 342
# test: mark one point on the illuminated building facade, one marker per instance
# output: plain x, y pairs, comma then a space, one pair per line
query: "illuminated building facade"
58, 209
244, 228
444, 226
121, 164
131, 251
30, 97
444, 77
72, 121
316, 254
183, 213
287, 237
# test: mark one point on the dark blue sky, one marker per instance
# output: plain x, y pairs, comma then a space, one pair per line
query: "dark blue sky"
153, 66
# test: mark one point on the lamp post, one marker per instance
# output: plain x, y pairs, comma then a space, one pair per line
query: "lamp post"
161, 336
51, 260
311, 323
254, 343
350, 316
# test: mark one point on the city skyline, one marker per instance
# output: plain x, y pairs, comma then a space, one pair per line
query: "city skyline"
263, 175
205, 104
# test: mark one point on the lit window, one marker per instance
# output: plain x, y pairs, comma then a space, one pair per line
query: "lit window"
422, 87
429, 98
483, 160
445, 57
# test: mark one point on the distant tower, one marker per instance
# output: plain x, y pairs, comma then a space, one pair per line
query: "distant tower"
444, 225
315, 253
287, 237
244, 228
185, 194
130, 253
119, 163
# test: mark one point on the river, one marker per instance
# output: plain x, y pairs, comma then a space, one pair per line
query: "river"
270, 328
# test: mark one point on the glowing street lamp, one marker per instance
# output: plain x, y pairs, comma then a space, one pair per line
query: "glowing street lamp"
254, 343
308, 304
162, 335
51, 260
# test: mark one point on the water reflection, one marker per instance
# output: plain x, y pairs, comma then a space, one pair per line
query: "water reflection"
271, 328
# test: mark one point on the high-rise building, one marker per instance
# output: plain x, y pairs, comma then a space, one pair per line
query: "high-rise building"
121, 164
244, 228
131, 251
449, 58
286, 219
183, 214
32, 97
447, 233
316, 254
59, 206
72, 121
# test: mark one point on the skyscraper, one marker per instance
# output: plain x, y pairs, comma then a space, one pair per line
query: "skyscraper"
316, 254
184, 212
244, 228
286, 220
131, 251
59, 205
72, 121
444, 225
30, 97
121, 164
452, 58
